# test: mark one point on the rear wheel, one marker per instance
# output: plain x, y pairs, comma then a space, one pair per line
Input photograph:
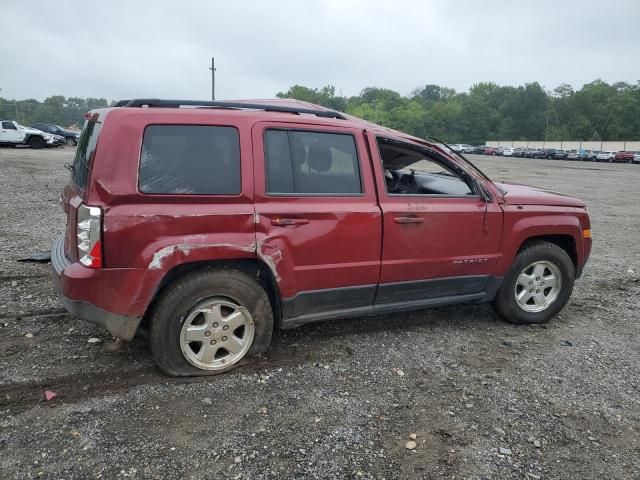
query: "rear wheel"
537, 286
210, 322
70, 141
36, 142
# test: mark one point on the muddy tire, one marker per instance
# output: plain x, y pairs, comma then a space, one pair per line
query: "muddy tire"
209, 322
537, 286
36, 142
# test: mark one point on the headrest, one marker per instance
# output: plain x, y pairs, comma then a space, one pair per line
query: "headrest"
298, 151
319, 157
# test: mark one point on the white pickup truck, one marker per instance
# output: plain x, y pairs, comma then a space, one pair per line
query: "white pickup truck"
12, 133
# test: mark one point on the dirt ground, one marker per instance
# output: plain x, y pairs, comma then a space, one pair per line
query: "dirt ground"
486, 400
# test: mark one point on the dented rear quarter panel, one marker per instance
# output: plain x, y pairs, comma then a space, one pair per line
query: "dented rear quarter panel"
158, 232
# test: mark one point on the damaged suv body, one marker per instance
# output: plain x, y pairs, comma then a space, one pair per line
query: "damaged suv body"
211, 225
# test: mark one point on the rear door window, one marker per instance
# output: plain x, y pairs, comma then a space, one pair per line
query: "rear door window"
311, 163
85, 151
190, 159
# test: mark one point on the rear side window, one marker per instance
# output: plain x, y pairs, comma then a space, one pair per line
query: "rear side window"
190, 159
299, 162
85, 151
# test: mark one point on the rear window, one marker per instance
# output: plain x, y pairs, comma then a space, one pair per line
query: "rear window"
311, 163
85, 152
190, 159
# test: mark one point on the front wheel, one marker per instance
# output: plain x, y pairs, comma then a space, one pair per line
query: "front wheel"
209, 322
36, 142
537, 286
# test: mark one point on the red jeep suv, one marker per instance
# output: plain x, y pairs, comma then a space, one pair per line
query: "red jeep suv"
210, 223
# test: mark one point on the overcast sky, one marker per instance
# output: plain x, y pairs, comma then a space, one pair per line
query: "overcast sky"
125, 49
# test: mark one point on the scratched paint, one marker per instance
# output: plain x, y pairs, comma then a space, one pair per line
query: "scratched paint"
186, 249
271, 255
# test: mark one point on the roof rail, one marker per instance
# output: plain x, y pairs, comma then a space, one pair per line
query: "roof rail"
156, 102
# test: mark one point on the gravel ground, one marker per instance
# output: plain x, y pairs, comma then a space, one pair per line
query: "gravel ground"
485, 400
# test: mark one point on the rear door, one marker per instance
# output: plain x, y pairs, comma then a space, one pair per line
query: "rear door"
318, 224
440, 240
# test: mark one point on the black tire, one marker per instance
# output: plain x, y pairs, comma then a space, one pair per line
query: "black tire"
70, 141
505, 303
180, 297
36, 142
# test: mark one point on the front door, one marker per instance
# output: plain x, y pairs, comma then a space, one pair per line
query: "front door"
10, 134
318, 224
441, 238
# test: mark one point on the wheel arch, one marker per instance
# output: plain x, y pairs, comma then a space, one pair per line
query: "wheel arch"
253, 268
565, 241
29, 136
562, 229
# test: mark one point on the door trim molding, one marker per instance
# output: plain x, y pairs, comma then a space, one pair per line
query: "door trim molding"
437, 287
349, 302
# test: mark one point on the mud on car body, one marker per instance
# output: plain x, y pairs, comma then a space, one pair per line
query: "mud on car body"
210, 225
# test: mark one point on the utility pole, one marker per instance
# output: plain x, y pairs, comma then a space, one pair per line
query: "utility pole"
213, 78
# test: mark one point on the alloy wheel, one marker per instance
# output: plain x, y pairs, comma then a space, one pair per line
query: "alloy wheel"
216, 334
538, 286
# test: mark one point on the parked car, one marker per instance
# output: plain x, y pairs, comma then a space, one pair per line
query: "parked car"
605, 156
559, 154
533, 153
623, 157
462, 148
500, 150
572, 154
508, 152
519, 152
636, 157
582, 155
12, 133
489, 150
592, 154
548, 152
211, 226
70, 136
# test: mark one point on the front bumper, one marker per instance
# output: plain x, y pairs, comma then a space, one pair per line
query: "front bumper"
70, 278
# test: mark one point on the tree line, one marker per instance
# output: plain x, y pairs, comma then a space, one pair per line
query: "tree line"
598, 111
66, 112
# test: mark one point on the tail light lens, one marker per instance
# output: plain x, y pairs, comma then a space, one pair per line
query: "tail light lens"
88, 232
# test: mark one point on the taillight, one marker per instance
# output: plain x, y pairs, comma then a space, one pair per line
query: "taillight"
88, 233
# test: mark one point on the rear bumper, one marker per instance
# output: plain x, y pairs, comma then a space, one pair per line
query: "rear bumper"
86, 293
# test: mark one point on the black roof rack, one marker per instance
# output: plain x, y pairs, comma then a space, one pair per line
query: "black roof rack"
156, 102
